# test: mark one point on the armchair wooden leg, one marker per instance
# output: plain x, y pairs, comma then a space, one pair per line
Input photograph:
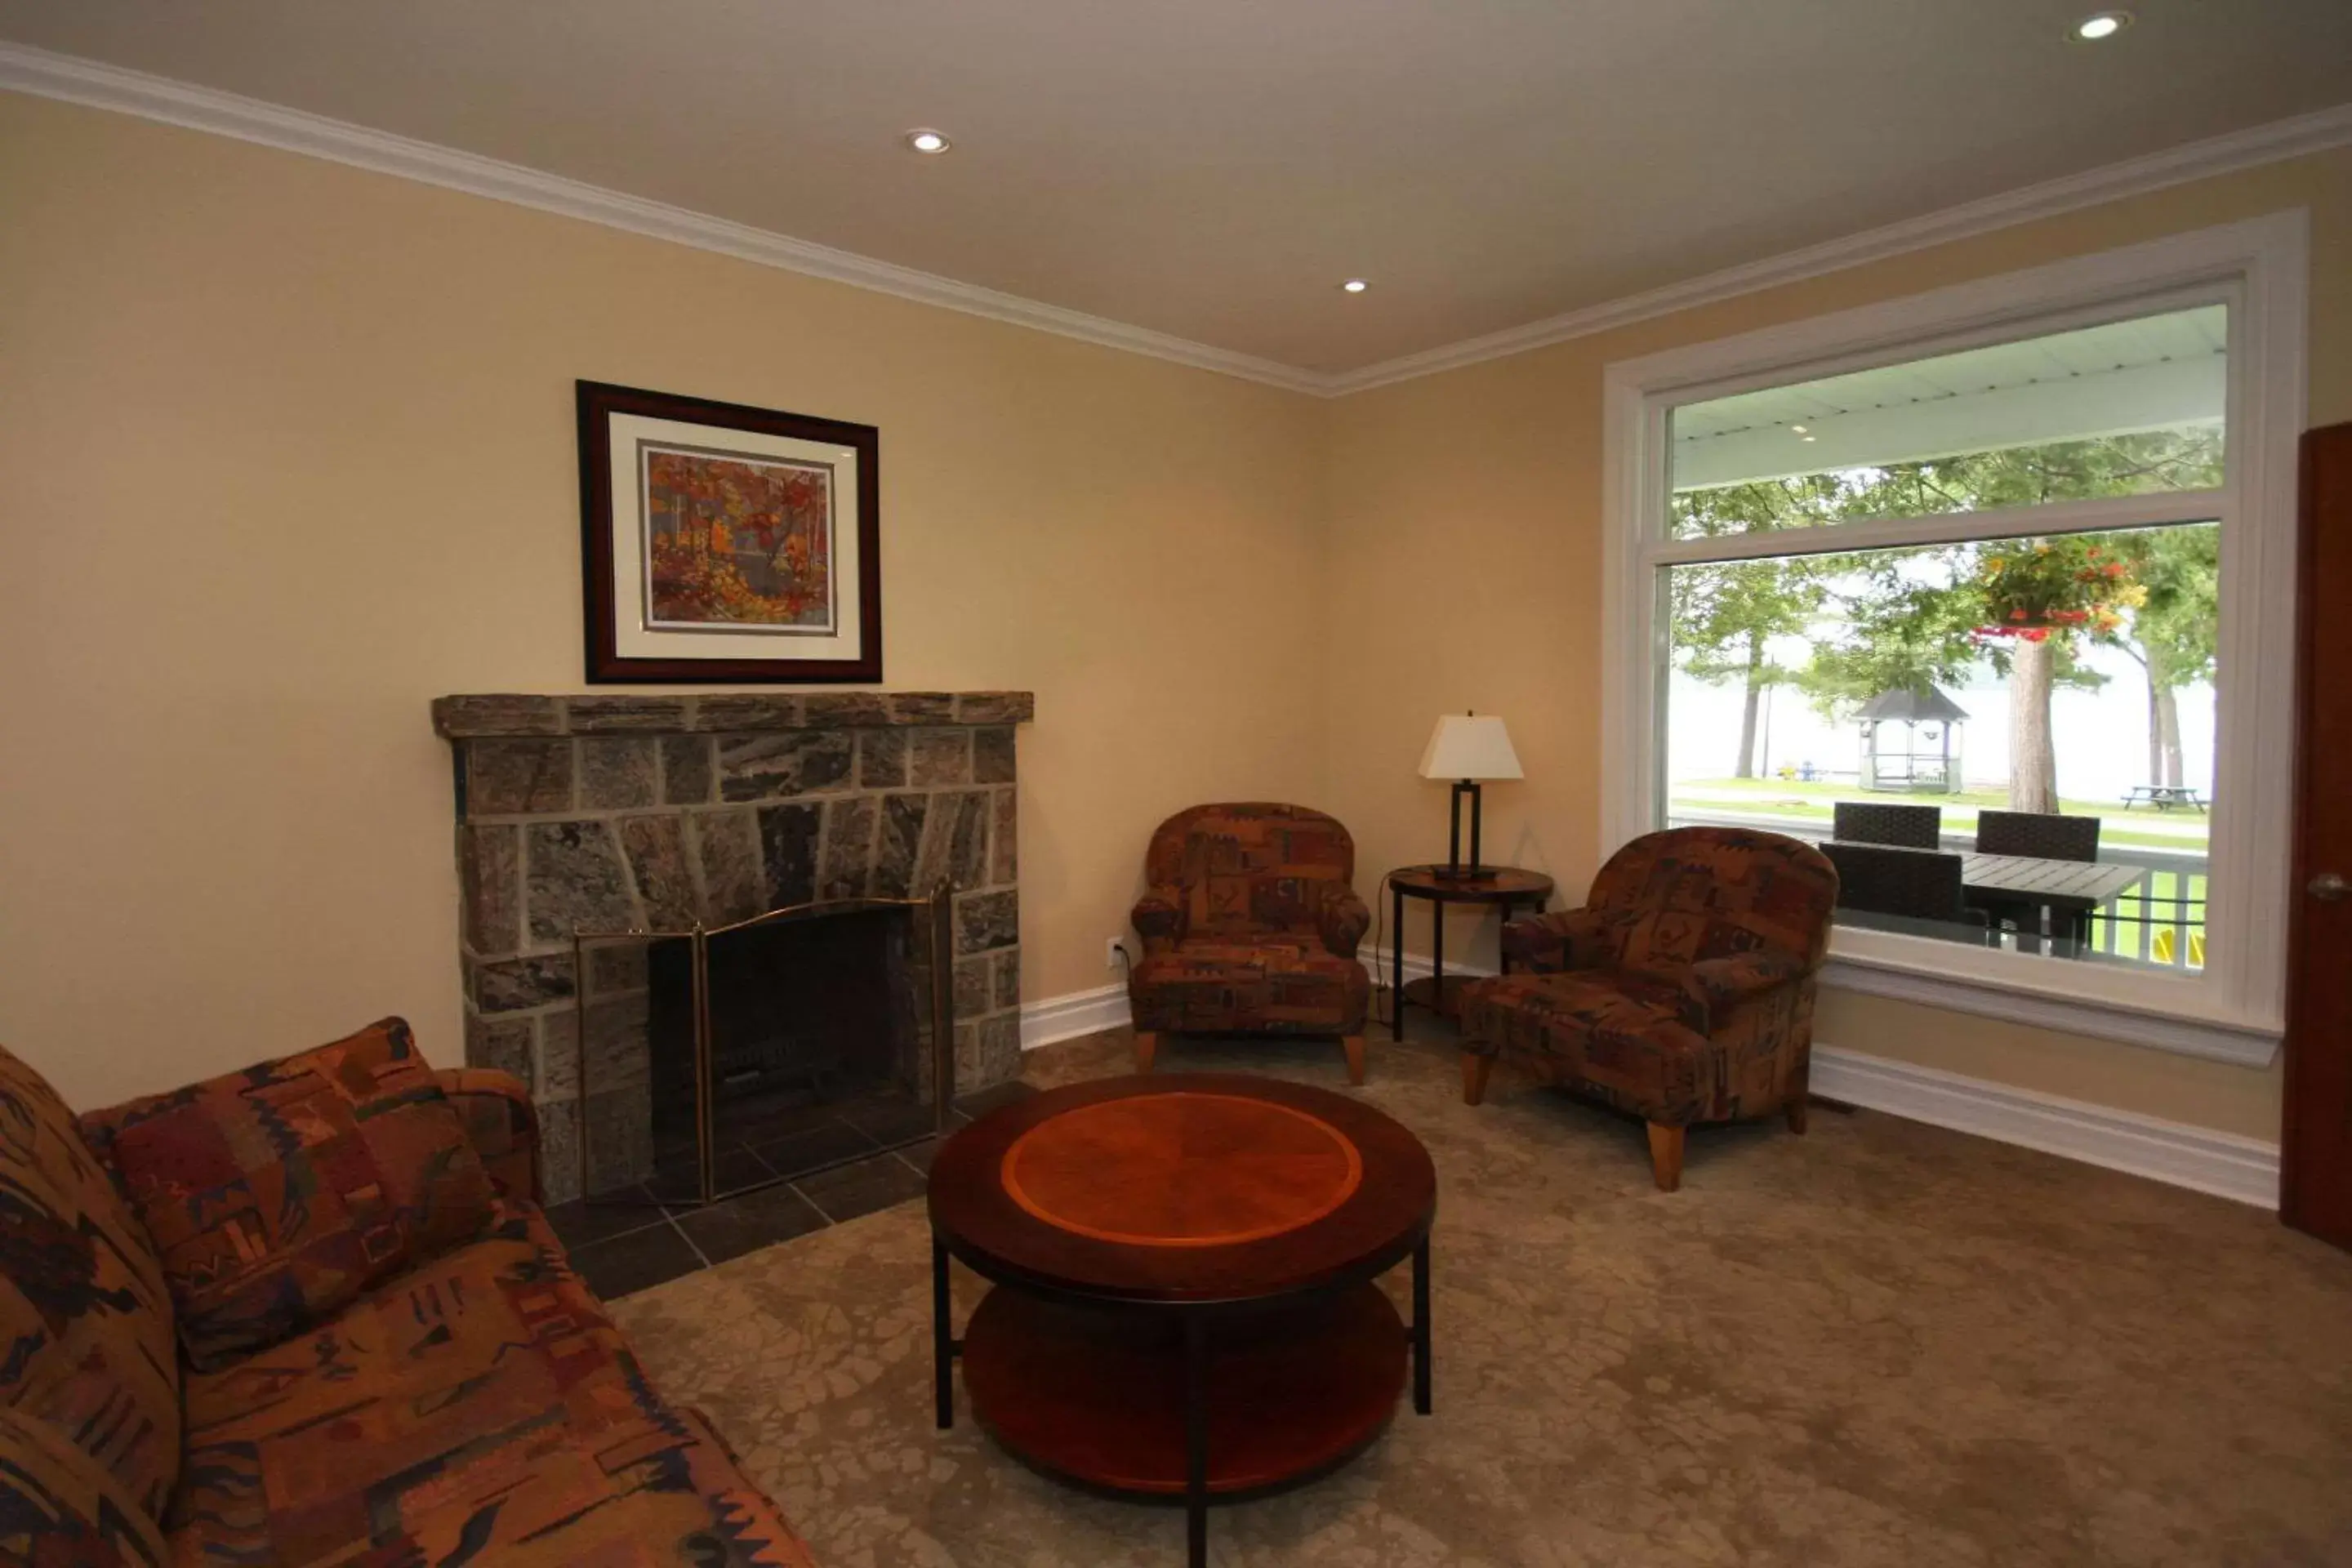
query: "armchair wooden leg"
1800, 1094
1354, 1045
1147, 1045
1474, 1068
1666, 1156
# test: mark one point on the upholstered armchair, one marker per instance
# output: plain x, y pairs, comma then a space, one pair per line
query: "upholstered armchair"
1681, 991
1250, 927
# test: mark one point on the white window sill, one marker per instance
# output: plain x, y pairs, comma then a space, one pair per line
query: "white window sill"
2164, 1011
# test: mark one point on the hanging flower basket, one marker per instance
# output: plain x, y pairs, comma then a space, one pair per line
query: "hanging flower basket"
2055, 589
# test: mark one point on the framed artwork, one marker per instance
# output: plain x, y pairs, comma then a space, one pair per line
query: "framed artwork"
726, 544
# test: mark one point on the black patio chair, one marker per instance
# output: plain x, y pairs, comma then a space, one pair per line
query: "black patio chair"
2046, 835
1869, 822
1897, 888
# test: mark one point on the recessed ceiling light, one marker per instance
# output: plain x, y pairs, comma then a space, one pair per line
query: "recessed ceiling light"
924, 139
2102, 24
1354, 286
1796, 429
1812, 437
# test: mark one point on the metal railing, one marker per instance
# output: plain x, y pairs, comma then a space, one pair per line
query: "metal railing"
2156, 922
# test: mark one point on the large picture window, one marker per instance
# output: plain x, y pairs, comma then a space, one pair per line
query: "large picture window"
1984, 607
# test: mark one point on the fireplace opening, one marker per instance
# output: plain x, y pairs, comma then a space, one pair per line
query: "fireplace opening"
714, 1063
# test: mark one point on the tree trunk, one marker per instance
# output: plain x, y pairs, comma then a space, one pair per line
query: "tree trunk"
2155, 729
2032, 760
2167, 717
1747, 769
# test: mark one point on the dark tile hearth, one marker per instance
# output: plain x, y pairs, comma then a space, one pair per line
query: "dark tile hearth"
631, 1242
847, 1190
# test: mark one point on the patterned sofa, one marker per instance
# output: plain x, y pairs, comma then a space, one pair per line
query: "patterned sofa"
471, 1406
1681, 991
1251, 927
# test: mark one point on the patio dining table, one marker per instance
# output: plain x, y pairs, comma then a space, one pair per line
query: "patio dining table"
2066, 891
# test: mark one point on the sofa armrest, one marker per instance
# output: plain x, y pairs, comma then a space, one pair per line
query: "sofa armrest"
500, 1122
1160, 918
1560, 940
1343, 920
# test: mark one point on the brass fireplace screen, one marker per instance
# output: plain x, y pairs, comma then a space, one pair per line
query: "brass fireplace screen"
718, 1060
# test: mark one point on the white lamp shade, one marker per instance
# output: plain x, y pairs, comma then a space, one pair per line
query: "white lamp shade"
1470, 746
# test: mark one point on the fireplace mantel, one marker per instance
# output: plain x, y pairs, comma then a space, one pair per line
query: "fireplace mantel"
661, 811
481, 715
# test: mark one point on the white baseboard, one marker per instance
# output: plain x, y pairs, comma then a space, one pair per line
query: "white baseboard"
1072, 1013
2221, 1163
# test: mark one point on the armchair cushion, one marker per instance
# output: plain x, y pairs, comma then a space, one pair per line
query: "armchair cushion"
1235, 987
277, 1194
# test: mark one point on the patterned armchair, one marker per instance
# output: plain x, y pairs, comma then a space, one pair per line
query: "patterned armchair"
1250, 927
1681, 991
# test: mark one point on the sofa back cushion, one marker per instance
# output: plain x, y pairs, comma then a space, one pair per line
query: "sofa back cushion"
1251, 868
84, 1320
278, 1194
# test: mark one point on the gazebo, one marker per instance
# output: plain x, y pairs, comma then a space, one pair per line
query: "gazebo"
1911, 741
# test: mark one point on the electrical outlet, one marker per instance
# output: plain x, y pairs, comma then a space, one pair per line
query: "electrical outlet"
1114, 949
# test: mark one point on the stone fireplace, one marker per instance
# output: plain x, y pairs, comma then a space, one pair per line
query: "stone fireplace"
659, 813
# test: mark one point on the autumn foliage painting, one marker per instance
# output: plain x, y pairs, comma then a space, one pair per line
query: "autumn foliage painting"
737, 542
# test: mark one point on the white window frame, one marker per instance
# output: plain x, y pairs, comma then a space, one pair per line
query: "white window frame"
2232, 1012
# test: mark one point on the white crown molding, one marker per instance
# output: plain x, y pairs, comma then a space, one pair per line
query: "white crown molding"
72, 79
2318, 132
2243, 1169
99, 86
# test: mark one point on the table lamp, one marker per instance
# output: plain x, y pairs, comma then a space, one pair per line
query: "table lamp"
1467, 748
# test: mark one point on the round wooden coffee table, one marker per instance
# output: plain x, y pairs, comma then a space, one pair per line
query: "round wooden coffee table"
1188, 1312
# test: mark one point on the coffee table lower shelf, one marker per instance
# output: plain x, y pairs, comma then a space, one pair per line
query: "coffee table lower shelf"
1095, 1395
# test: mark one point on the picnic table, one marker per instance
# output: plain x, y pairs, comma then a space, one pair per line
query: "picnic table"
2066, 891
2164, 797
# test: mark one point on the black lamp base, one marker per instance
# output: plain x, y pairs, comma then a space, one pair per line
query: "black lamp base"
1455, 870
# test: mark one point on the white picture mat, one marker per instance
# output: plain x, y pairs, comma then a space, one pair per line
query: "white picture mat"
624, 435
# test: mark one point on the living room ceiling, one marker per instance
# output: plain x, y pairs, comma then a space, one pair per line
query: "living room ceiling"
1215, 169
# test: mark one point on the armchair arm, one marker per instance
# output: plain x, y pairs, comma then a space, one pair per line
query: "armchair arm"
1160, 918
496, 1111
1343, 920
1716, 986
1559, 940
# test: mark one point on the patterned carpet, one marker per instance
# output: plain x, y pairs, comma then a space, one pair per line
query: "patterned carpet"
1881, 1343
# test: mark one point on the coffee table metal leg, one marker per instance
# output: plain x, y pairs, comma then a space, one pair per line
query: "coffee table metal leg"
943, 1345
1196, 1440
1421, 1327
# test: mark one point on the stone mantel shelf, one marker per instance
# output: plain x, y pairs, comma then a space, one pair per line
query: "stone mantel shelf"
485, 715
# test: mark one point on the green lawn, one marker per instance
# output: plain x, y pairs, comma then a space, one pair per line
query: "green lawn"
1797, 801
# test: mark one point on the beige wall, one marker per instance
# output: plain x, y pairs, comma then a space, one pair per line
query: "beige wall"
1466, 547
290, 452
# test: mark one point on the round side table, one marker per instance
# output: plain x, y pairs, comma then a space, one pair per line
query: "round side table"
1504, 887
